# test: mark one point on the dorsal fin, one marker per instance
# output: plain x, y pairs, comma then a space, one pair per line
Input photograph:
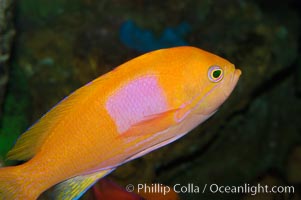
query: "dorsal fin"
31, 140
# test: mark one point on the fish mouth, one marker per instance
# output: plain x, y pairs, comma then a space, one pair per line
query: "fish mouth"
232, 82
236, 75
237, 72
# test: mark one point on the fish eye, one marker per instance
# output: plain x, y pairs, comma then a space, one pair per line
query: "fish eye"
215, 73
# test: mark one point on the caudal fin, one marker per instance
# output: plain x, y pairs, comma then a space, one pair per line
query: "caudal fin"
12, 185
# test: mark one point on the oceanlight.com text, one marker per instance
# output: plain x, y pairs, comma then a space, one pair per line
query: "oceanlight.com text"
249, 189
192, 188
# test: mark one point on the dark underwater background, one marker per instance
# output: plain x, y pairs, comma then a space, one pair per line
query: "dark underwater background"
48, 48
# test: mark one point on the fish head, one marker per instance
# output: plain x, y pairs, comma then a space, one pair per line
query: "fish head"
210, 81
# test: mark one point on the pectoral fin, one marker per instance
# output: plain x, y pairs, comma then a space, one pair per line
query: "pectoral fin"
74, 188
152, 124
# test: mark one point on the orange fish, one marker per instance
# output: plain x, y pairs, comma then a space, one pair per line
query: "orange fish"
143, 104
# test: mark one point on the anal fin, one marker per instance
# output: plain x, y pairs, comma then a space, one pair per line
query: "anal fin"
74, 188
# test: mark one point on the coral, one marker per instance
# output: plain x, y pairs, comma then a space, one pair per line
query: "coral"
143, 40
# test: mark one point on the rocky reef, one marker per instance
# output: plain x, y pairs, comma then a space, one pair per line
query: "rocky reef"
7, 33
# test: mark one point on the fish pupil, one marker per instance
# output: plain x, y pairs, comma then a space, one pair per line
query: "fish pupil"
216, 73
